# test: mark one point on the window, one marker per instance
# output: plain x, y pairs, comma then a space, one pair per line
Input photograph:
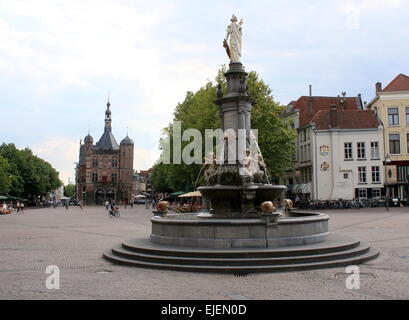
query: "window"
345, 175
403, 173
114, 177
376, 175
361, 150
114, 163
362, 193
361, 174
94, 177
393, 116
309, 152
407, 115
95, 163
375, 150
376, 193
303, 135
394, 144
348, 150
407, 141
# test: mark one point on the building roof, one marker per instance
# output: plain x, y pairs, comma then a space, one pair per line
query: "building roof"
400, 83
346, 119
107, 141
145, 172
88, 139
127, 140
309, 106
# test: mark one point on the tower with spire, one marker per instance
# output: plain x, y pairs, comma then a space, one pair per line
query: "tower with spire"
105, 169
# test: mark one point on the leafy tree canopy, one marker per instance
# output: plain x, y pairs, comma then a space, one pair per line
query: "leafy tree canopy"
198, 110
69, 190
28, 174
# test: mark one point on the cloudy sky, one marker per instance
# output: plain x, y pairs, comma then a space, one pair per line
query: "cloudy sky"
59, 59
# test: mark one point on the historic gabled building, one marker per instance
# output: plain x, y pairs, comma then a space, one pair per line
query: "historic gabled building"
105, 169
391, 104
347, 155
300, 115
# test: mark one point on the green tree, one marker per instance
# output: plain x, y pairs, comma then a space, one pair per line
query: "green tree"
275, 138
69, 190
5, 176
30, 175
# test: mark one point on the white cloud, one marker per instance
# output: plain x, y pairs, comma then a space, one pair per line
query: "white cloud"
61, 153
71, 44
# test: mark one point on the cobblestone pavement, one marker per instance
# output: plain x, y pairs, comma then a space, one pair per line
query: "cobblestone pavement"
74, 240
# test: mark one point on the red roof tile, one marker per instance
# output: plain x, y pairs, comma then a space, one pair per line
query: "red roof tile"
315, 104
400, 83
346, 119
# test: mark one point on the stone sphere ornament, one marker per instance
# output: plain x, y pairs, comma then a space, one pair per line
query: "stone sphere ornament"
267, 207
162, 206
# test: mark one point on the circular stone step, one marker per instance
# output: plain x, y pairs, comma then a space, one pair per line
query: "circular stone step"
337, 251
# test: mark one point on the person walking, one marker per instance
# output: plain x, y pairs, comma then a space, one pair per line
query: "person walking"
106, 204
297, 201
153, 203
66, 205
18, 206
22, 207
81, 204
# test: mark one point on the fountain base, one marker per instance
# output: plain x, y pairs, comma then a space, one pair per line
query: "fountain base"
189, 243
190, 230
336, 251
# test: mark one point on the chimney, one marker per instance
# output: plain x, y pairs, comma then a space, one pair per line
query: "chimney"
333, 116
378, 87
310, 90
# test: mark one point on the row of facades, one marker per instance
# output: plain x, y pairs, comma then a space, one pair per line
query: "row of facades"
346, 149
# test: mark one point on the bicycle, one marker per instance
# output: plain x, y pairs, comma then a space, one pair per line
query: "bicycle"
114, 212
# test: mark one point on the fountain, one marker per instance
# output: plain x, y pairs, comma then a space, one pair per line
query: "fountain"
248, 225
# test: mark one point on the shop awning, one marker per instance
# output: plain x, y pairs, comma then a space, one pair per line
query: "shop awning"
176, 194
191, 194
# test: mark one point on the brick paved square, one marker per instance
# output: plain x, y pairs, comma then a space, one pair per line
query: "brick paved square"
74, 240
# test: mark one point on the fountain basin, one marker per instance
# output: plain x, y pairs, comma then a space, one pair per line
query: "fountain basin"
229, 201
192, 231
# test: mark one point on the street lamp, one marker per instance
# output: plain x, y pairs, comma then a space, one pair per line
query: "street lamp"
387, 161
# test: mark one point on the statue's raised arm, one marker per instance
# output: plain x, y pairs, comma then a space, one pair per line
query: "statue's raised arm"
234, 33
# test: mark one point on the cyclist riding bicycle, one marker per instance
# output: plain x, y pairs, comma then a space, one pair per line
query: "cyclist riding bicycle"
114, 211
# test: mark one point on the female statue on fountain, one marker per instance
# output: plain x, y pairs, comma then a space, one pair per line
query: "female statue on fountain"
234, 33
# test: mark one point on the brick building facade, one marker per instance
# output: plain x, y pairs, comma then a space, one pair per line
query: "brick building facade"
105, 169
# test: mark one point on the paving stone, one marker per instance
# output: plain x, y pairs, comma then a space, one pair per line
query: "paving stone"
74, 240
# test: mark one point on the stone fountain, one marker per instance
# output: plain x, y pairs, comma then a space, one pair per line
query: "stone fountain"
248, 226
